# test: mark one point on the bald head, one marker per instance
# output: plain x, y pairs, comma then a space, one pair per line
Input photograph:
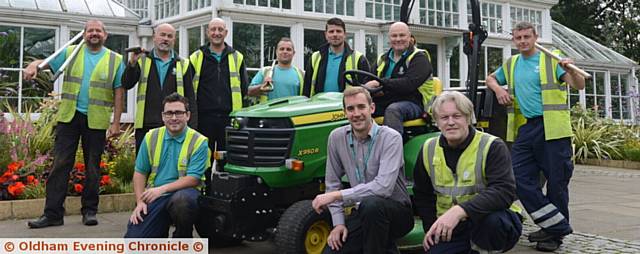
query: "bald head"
399, 37
216, 32
164, 38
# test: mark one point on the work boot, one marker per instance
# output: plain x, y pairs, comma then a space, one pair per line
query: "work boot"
541, 236
89, 219
44, 222
549, 245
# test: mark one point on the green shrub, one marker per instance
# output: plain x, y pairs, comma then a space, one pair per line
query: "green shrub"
632, 150
33, 191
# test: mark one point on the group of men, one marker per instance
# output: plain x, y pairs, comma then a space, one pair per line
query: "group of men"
464, 182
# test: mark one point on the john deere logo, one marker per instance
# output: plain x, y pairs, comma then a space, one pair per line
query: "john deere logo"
235, 123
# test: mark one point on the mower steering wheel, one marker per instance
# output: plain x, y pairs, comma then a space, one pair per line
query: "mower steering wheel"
351, 78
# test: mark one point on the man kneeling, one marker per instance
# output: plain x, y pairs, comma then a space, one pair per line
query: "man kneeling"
464, 185
170, 163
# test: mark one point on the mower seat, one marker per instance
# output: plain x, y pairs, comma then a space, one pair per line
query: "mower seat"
409, 123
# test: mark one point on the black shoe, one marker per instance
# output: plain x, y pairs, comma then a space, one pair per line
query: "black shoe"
89, 219
548, 246
541, 236
44, 222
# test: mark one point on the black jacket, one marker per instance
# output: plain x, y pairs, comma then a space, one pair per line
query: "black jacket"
214, 90
403, 85
499, 193
363, 64
154, 96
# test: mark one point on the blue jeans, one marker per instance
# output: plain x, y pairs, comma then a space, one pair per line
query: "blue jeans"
180, 208
398, 112
498, 231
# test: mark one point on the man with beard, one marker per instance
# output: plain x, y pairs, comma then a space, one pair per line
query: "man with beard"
285, 79
370, 156
90, 89
159, 73
405, 71
171, 164
324, 71
220, 83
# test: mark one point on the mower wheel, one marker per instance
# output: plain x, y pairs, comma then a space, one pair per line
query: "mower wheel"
302, 230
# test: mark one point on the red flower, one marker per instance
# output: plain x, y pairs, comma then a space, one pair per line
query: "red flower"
103, 165
15, 189
78, 187
13, 166
15, 177
80, 167
105, 180
31, 179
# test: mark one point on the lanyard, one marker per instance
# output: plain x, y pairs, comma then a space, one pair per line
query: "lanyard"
359, 172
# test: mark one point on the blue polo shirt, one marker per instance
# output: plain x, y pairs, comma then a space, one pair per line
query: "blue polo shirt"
216, 56
90, 61
285, 82
163, 66
392, 63
528, 91
168, 168
333, 70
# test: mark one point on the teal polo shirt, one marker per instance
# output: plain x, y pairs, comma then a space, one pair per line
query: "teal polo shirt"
285, 82
392, 63
91, 59
528, 91
168, 168
163, 66
333, 70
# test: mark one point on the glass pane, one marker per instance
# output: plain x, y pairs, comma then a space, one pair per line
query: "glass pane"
234, 1
574, 99
340, 7
119, 42
431, 18
447, 5
625, 108
308, 5
423, 17
369, 10
9, 89
251, 2
600, 83
499, 11
379, 11
194, 38
4, 3
371, 45
246, 38
313, 39
272, 35
264, 3
329, 6
624, 84
439, 5
28, 4
433, 52
275, 4
286, 4
319, 6
39, 43
9, 47
454, 63
100, 8
50, 5
615, 107
350, 4
615, 86
588, 87
387, 12
495, 59
601, 106
396, 13
440, 21
590, 102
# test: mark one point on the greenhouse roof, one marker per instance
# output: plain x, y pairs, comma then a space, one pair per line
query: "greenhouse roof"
105, 8
585, 50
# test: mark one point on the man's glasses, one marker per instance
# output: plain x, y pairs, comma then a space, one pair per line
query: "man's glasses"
178, 114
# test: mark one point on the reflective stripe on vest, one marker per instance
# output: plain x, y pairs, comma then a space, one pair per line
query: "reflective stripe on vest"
351, 63
155, 139
264, 98
555, 109
145, 66
100, 88
235, 60
469, 178
426, 89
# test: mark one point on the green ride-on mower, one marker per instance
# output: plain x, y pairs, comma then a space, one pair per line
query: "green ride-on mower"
275, 164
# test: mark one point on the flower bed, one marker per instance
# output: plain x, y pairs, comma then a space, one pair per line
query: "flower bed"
26, 157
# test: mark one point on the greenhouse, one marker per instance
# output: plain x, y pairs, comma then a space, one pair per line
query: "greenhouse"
34, 28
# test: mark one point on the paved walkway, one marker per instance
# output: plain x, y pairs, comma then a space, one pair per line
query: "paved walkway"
604, 206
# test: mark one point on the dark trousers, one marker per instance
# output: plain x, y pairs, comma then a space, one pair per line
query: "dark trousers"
531, 154
398, 112
375, 226
140, 136
498, 231
64, 152
179, 208
213, 127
